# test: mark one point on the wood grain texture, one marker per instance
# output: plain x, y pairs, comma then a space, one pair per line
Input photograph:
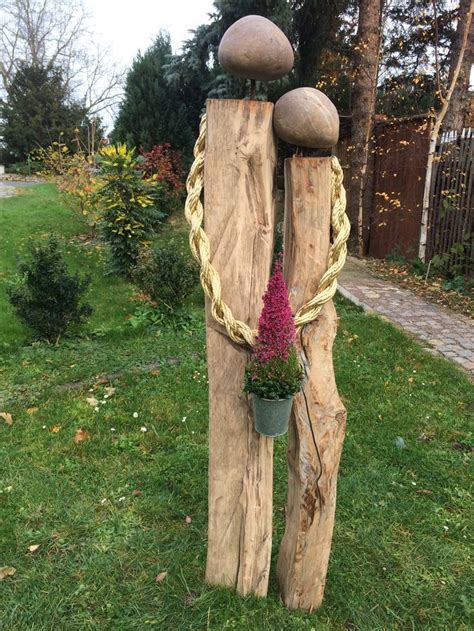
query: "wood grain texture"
239, 220
318, 418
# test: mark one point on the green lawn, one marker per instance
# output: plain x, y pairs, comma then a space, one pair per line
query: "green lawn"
109, 513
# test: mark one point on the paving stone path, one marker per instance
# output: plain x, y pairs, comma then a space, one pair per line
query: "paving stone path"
448, 333
10, 188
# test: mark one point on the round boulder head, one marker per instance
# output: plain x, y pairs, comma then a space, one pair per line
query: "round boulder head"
255, 48
307, 118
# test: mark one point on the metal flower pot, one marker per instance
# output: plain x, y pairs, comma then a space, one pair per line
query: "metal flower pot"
271, 416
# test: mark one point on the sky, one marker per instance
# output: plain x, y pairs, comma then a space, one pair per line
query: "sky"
129, 26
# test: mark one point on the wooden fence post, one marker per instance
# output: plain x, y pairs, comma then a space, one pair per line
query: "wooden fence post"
318, 419
239, 220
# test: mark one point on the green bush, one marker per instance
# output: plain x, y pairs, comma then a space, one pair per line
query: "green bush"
457, 260
166, 276
45, 296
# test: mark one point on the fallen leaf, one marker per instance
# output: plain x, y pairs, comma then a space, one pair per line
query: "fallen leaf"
81, 435
33, 547
109, 391
32, 410
92, 401
55, 429
424, 491
136, 492
155, 372
161, 577
188, 519
6, 571
7, 418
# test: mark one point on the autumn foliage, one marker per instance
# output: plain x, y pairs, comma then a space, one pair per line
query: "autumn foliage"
164, 165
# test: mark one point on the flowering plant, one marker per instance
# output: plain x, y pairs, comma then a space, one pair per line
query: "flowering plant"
274, 371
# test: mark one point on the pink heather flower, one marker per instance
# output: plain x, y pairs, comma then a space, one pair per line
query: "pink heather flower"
276, 327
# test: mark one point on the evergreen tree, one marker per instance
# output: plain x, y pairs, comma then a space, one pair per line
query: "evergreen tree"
37, 110
153, 110
165, 94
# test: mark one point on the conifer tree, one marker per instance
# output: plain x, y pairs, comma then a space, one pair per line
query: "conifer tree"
37, 110
153, 112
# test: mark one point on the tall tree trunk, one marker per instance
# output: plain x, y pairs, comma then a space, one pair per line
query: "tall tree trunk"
465, 22
365, 72
460, 101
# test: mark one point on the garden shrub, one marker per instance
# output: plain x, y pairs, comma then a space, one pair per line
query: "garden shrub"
166, 276
74, 176
164, 165
78, 185
46, 296
127, 203
54, 158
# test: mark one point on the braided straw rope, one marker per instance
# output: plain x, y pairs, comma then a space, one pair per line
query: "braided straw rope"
237, 330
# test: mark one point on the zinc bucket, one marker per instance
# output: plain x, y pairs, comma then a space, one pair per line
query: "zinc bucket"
271, 416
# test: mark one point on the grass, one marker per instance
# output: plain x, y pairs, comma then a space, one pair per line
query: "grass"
109, 513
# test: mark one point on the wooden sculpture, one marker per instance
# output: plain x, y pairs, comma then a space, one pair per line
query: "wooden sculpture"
235, 159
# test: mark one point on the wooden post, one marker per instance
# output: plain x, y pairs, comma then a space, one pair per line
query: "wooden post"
318, 419
239, 220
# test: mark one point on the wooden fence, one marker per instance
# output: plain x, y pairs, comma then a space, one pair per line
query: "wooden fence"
451, 213
393, 198
401, 155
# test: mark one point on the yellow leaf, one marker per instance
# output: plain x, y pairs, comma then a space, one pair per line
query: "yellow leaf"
33, 547
6, 571
7, 418
32, 410
55, 429
161, 577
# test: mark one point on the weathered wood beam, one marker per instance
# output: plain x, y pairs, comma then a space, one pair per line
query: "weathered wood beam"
318, 418
239, 220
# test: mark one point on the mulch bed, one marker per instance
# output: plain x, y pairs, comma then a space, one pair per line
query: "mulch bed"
431, 289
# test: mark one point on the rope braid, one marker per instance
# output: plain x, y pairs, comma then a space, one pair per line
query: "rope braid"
238, 331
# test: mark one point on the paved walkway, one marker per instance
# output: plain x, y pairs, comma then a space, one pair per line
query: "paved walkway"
10, 188
449, 333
